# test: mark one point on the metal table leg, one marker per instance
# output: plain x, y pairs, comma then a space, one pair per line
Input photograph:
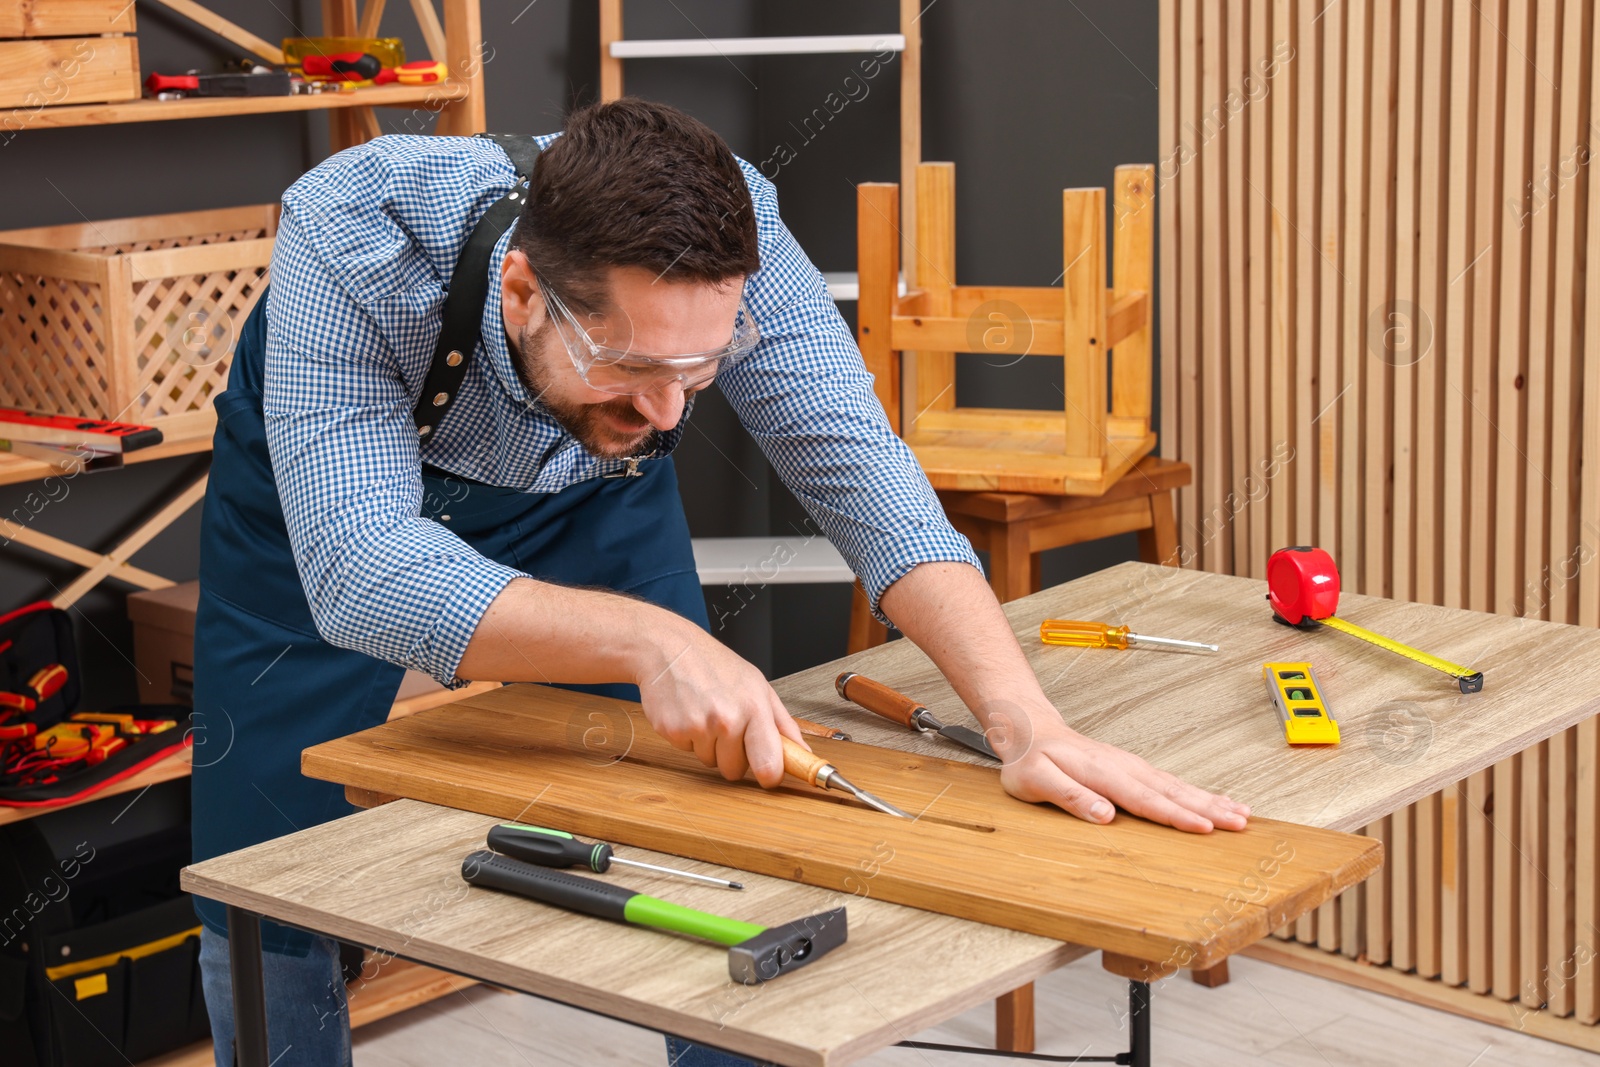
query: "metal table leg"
249, 990
1139, 1024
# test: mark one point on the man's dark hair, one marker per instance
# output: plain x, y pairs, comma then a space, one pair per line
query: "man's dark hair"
636, 184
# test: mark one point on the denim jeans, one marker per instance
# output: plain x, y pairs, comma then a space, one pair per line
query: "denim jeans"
307, 1016
306, 1013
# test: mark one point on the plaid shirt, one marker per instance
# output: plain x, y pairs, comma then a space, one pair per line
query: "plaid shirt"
365, 247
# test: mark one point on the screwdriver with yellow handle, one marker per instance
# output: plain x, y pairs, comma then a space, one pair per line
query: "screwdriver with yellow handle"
1077, 634
814, 770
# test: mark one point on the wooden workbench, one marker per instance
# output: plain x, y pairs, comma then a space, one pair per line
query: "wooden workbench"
1406, 732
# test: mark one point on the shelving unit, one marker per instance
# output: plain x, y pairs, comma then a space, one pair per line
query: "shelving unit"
456, 40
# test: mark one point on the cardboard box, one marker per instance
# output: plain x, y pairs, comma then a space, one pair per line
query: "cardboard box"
163, 649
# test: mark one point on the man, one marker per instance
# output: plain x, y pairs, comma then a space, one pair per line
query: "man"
461, 465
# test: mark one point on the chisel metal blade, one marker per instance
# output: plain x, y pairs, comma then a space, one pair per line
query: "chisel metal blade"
961, 735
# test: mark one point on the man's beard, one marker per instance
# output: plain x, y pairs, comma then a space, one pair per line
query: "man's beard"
585, 422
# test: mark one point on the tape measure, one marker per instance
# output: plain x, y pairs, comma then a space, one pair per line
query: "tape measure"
1303, 588
1298, 700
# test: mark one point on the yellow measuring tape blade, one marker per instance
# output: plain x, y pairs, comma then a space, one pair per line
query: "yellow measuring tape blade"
1455, 670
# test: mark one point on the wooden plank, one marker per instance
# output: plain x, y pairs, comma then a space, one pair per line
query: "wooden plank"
1510, 368
1589, 517
1374, 425
910, 128
465, 57
1235, 280
229, 31
1187, 182
1534, 884
1211, 475
1283, 102
1586, 866
929, 370
1480, 394
1454, 814
1083, 290
1129, 886
1561, 940
1400, 861
1349, 488
1393, 339
1167, 170
62, 70
878, 264
1461, 255
1567, 356
1365, 922
199, 107
1129, 320
432, 30
610, 65
1479, 938
1257, 180
390, 878
1508, 929
1333, 387
1429, 875
371, 18
1308, 276
66, 18
907, 333
1428, 323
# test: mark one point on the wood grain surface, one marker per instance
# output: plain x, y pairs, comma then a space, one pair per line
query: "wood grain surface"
390, 878
594, 767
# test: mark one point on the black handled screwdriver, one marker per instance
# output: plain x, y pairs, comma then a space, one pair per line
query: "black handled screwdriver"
557, 848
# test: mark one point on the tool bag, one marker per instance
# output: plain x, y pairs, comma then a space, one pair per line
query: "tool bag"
51, 753
99, 949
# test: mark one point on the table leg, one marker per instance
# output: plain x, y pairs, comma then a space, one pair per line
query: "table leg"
1139, 1024
249, 990
1211, 977
1013, 1020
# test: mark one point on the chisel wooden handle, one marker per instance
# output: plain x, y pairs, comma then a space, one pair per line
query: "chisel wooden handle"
878, 698
814, 729
797, 762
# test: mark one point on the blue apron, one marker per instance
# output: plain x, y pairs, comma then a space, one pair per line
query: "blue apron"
266, 686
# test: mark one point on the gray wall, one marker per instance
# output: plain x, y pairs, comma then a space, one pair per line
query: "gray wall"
1025, 96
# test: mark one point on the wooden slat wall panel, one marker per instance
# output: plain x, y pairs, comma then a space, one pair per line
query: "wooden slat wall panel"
1381, 334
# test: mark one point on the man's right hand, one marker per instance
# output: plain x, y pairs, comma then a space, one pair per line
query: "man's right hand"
704, 698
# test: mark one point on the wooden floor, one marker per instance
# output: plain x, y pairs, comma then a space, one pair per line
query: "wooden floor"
1266, 1016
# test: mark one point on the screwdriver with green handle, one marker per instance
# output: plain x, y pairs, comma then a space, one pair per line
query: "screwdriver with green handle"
557, 848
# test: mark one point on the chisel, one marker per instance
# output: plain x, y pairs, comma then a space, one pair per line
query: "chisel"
897, 707
814, 770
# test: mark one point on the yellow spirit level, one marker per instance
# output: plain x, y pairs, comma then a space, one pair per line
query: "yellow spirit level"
1298, 700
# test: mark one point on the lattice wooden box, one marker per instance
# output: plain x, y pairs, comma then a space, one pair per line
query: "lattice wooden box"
131, 319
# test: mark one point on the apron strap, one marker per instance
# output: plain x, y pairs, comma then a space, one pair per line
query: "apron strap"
462, 316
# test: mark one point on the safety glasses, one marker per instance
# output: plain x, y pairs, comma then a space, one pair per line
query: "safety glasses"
626, 373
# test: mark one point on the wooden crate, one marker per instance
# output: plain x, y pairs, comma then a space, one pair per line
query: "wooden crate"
69, 52
132, 319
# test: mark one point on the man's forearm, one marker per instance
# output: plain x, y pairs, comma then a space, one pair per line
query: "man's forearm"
948, 610
538, 632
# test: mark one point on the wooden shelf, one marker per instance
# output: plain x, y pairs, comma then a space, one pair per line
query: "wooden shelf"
758, 46
176, 765
14, 468
213, 107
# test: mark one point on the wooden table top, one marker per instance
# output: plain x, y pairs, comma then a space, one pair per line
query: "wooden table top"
390, 878
1407, 731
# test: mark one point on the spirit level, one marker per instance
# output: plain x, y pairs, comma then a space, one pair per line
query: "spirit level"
1298, 700
1303, 587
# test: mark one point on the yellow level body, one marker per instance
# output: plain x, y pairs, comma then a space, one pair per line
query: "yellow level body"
1298, 701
